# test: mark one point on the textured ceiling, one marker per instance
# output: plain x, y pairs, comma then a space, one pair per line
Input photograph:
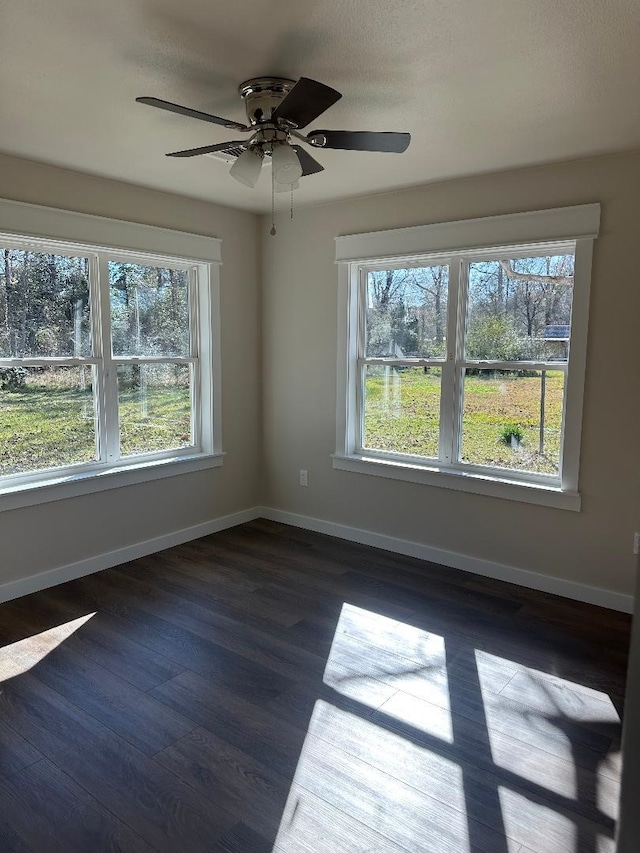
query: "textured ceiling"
481, 86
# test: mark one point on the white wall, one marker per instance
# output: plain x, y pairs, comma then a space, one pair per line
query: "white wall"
56, 534
592, 547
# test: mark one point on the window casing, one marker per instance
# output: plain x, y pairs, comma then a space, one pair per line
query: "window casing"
134, 382
443, 443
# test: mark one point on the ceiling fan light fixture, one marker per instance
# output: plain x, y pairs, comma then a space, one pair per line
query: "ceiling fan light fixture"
287, 168
247, 167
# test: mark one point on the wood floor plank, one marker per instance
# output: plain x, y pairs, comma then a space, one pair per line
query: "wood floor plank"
183, 646
238, 607
231, 717
133, 714
16, 753
142, 794
287, 550
234, 779
310, 636
312, 575
51, 812
242, 839
229, 634
10, 841
311, 825
197, 561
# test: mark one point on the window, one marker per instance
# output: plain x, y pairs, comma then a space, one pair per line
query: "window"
107, 364
464, 366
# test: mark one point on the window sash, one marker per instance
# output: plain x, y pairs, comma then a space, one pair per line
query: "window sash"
105, 391
455, 364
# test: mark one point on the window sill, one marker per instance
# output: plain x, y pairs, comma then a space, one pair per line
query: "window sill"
460, 481
100, 479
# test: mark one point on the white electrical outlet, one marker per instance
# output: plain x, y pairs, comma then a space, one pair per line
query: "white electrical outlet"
304, 477
636, 543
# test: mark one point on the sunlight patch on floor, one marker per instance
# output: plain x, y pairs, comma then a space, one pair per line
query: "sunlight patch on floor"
360, 787
372, 657
444, 747
531, 715
520, 812
18, 658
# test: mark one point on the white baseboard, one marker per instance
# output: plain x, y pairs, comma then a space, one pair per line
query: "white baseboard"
53, 577
521, 577
499, 571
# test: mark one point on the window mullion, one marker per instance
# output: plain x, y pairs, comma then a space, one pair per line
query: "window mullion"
194, 370
459, 373
447, 389
361, 333
97, 351
109, 397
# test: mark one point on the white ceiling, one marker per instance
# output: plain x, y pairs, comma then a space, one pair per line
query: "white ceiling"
481, 86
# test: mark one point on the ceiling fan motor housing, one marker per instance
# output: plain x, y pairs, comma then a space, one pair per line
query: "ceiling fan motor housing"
261, 96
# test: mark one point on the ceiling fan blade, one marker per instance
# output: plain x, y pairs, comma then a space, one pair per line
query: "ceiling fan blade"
310, 166
206, 149
360, 140
187, 111
305, 102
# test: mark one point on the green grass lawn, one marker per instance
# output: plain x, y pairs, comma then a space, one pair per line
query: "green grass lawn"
50, 423
402, 413
161, 424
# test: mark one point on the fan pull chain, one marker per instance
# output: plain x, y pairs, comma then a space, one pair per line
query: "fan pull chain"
273, 231
291, 202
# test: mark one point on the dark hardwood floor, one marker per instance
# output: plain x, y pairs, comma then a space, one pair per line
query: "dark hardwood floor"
268, 688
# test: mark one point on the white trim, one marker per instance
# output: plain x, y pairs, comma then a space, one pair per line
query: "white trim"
62, 574
211, 361
345, 387
573, 229
555, 225
47, 228
50, 224
475, 565
576, 367
79, 483
460, 481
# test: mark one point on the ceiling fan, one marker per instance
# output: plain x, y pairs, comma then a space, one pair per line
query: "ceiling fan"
277, 109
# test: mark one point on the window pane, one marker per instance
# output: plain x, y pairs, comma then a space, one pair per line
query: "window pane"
402, 409
47, 418
154, 407
149, 310
520, 309
406, 313
44, 305
502, 417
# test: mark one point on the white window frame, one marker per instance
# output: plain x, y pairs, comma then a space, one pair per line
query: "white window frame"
458, 243
102, 240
